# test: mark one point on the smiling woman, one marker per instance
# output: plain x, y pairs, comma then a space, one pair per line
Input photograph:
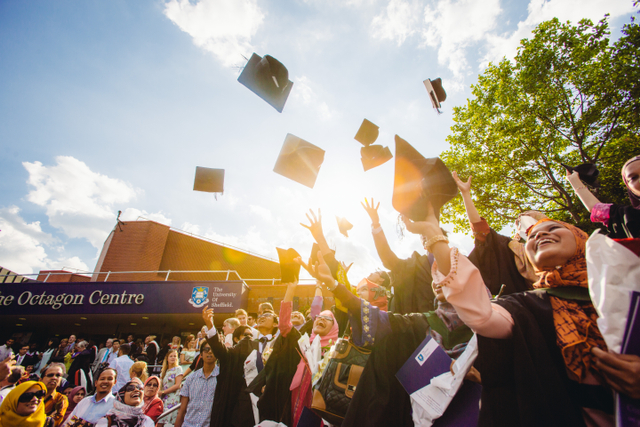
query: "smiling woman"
24, 406
128, 408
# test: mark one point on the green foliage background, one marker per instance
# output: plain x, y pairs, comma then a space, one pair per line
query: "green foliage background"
570, 96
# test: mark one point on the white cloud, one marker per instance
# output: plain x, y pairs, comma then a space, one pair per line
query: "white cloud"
399, 20
132, 214
305, 94
505, 45
78, 201
453, 26
262, 212
222, 27
22, 246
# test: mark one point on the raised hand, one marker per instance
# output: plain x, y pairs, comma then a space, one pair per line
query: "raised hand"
429, 228
373, 212
5, 366
464, 187
320, 271
207, 316
315, 226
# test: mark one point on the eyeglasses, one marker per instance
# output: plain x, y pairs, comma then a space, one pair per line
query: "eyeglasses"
266, 315
132, 387
53, 375
207, 350
26, 397
327, 318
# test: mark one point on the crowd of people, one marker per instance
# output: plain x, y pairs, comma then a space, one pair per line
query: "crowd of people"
516, 312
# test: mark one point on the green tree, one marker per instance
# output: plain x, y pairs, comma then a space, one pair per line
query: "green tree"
569, 96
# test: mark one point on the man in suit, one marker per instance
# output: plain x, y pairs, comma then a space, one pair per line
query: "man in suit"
232, 406
23, 359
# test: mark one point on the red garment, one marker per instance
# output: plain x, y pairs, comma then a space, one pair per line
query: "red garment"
154, 409
480, 229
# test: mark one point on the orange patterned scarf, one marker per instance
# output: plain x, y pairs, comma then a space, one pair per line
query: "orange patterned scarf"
575, 321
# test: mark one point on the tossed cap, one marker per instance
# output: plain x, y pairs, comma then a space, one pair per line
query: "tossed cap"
367, 134
209, 180
267, 78
436, 92
587, 172
419, 181
372, 155
299, 160
343, 225
289, 269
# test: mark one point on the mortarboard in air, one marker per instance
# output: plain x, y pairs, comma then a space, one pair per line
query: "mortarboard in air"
289, 269
587, 172
436, 92
209, 180
372, 155
299, 160
419, 181
343, 225
267, 78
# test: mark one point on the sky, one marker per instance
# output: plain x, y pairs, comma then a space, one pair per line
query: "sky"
110, 106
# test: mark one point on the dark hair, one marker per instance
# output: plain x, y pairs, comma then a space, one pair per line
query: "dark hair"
202, 344
125, 349
106, 368
15, 375
238, 334
386, 280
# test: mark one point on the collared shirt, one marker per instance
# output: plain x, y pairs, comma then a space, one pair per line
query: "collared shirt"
112, 356
6, 390
90, 411
200, 391
122, 365
55, 406
5, 352
20, 358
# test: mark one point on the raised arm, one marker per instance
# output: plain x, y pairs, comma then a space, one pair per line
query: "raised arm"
284, 321
387, 256
220, 351
465, 191
315, 228
436, 243
581, 190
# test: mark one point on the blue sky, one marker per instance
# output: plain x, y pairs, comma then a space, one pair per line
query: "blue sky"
110, 106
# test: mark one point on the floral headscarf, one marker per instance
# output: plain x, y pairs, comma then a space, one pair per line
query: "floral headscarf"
123, 415
575, 322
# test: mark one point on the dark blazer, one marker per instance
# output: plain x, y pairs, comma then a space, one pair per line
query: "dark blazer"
232, 407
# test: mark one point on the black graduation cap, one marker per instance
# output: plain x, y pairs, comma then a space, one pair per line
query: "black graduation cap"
372, 155
419, 181
289, 269
313, 258
588, 173
267, 78
299, 160
344, 225
436, 92
209, 180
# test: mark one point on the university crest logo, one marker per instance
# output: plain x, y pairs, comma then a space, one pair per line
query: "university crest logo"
199, 296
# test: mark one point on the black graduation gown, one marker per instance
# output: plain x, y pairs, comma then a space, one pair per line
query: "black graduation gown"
82, 362
229, 407
275, 403
497, 264
524, 379
411, 280
380, 399
624, 222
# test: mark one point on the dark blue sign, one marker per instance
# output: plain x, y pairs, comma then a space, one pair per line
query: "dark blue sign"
122, 297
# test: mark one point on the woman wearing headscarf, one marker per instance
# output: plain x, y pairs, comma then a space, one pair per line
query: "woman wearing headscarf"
535, 348
379, 399
621, 221
127, 409
74, 397
24, 407
284, 385
153, 405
